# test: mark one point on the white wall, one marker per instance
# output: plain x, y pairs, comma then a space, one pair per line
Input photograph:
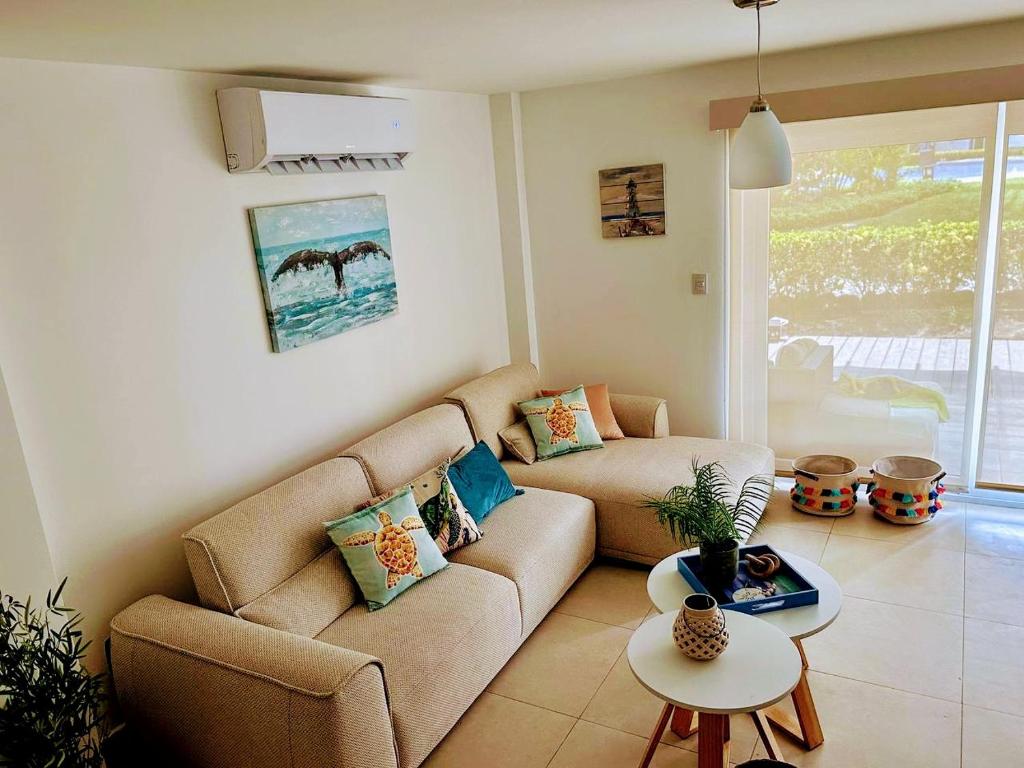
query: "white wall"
132, 329
25, 567
621, 310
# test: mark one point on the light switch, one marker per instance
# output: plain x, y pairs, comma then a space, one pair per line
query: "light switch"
700, 283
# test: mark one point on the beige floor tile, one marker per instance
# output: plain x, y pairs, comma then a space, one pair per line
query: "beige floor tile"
609, 593
996, 531
801, 541
993, 667
502, 733
594, 746
905, 648
780, 512
991, 738
995, 589
946, 530
625, 705
562, 664
918, 576
867, 726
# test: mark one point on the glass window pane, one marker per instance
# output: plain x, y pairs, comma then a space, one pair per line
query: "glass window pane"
1002, 457
873, 254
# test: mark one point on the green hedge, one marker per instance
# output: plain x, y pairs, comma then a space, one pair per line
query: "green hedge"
888, 261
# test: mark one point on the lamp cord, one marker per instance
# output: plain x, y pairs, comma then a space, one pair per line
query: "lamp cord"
758, 7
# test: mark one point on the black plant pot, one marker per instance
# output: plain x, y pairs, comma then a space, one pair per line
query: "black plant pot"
720, 562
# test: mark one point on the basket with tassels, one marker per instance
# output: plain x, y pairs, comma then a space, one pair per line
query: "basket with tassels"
825, 485
905, 489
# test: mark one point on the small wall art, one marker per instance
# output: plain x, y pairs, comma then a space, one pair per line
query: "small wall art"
632, 201
326, 267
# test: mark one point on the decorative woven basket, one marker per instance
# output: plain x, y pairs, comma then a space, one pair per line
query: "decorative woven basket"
906, 489
825, 485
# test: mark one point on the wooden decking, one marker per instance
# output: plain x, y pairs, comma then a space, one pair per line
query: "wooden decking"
945, 361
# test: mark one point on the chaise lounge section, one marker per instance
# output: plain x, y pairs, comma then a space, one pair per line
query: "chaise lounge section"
282, 663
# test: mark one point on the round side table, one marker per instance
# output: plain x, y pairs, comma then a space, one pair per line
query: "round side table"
667, 588
759, 667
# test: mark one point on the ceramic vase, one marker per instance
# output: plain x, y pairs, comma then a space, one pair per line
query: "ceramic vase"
699, 629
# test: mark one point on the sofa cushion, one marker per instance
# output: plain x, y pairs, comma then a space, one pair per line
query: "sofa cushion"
561, 423
481, 481
518, 442
258, 544
490, 401
542, 541
441, 644
626, 471
387, 547
447, 518
600, 408
395, 455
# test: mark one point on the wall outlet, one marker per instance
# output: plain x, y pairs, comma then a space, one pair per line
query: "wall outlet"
700, 283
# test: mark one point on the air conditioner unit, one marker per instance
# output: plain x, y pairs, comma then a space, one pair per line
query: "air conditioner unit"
295, 133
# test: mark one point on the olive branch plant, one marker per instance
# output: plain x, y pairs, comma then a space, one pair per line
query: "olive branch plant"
51, 708
708, 511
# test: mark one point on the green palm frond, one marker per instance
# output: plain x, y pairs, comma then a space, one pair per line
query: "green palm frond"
710, 511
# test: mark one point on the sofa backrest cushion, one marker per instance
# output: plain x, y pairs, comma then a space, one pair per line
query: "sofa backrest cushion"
267, 559
398, 454
490, 401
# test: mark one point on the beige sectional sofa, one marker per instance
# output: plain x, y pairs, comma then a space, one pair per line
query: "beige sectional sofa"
282, 664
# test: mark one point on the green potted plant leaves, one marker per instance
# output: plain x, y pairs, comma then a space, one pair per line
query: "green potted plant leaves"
51, 708
711, 514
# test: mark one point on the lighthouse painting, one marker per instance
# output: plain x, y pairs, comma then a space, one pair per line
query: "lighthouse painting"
632, 201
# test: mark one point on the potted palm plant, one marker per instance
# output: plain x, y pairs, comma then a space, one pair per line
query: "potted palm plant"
710, 513
51, 708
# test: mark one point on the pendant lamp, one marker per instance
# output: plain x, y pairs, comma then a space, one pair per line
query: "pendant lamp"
760, 156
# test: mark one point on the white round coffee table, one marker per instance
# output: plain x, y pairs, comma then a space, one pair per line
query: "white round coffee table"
759, 667
667, 588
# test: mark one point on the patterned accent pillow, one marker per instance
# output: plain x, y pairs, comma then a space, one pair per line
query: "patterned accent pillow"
561, 423
443, 512
387, 548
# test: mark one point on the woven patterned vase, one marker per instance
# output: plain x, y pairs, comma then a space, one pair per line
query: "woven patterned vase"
699, 629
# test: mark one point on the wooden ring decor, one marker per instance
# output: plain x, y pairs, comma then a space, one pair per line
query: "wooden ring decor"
763, 566
906, 489
826, 485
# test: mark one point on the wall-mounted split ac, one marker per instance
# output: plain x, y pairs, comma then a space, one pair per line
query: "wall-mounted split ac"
296, 133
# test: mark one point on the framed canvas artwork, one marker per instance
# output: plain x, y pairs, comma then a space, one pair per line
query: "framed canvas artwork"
632, 201
325, 267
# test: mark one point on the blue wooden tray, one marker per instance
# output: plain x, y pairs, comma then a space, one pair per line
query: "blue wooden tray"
793, 589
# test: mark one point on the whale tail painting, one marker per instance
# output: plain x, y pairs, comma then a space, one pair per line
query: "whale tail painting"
308, 259
301, 247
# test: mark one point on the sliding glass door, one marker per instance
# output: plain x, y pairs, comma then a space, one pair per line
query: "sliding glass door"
893, 300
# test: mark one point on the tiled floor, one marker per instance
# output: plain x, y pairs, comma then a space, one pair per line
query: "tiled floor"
923, 667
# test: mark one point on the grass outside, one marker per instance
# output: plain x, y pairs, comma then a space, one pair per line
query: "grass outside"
962, 203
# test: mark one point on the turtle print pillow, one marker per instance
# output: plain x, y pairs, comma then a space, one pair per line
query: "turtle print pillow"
561, 423
387, 548
443, 512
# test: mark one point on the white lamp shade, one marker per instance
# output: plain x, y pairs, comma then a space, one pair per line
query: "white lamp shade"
760, 156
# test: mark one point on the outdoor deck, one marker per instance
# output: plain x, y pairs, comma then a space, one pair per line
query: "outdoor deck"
945, 362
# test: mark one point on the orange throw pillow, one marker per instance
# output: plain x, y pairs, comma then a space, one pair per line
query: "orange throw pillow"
600, 408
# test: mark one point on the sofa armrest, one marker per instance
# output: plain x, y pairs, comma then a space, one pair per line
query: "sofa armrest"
640, 415
220, 691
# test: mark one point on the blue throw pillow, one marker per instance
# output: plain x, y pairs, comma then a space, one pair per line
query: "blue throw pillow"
481, 481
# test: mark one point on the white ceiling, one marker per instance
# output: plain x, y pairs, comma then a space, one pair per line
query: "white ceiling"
467, 45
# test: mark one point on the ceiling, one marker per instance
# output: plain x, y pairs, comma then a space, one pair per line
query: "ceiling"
467, 45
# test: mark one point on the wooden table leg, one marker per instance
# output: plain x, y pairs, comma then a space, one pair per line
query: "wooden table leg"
713, 741
652, 743
764, 730
684, 722
806, 729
